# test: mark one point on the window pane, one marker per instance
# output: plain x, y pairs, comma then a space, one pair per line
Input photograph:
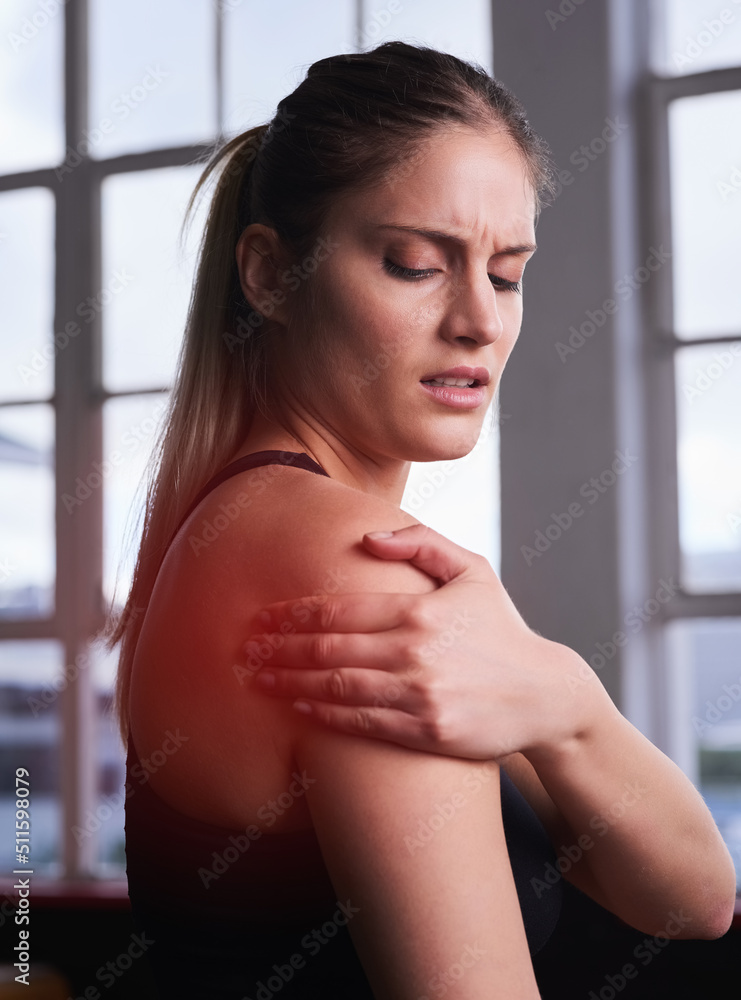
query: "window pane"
461, 28
705, 149
130, 427
709, 462
696, 35
152, 74
460, 498
30, 683
150, 276
31, 85
27, 294
27, 550
111, 759
263, 61
705, 659
254, 86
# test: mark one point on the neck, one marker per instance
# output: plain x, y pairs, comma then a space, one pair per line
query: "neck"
374, 475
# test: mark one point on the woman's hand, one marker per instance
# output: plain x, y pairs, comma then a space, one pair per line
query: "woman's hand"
458, 672
455, 672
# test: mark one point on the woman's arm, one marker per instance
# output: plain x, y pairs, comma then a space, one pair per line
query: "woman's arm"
502, 688
632, 830
422, 906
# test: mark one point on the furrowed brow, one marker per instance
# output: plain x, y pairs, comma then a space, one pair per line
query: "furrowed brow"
439, 235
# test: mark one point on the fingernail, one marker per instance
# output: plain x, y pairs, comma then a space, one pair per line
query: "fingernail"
302, 706
379, 534
266, 680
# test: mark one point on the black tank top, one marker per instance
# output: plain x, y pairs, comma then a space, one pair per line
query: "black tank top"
240, 914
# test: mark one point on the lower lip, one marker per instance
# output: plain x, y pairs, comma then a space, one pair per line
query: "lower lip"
457, 396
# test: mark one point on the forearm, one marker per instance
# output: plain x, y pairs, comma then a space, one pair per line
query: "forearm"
648, 844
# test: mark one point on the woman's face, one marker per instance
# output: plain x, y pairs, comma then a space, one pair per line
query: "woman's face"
418, 275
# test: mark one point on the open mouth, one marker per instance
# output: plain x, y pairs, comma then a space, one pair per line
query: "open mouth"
460, 383
460, 393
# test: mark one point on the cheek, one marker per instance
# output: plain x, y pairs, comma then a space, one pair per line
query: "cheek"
371, 325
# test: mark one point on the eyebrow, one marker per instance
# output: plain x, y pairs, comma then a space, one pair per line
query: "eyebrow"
437, 234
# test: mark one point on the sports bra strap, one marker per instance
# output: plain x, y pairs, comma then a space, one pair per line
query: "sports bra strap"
299, 460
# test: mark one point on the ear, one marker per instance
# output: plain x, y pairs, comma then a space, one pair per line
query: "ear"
258, 256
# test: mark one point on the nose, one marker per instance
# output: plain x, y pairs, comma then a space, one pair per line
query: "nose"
475, 309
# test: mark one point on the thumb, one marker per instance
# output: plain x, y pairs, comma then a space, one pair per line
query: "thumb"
430, 551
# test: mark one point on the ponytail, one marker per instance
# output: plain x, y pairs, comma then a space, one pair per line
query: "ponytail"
214, 395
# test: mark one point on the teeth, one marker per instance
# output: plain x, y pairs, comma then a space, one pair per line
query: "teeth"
450, 381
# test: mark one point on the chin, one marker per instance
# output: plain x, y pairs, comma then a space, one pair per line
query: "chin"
442, 450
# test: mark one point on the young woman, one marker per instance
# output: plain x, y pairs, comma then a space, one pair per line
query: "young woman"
357, 298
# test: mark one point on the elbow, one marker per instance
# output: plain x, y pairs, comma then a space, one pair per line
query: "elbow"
713, 907
712, 916
702, 909
718, 920
722, 902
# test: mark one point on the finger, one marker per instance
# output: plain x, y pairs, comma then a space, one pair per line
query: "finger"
377, 723
342, 686
430, 551
323, 651
337, 613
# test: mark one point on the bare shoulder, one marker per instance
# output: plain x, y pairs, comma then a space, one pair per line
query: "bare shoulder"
252, 541
290, 531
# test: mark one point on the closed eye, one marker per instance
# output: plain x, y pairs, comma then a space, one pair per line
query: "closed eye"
504, 284
406, 272
411, 273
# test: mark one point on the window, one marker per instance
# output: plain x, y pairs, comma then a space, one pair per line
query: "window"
112, 105
696, 320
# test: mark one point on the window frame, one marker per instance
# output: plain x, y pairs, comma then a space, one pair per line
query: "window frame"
78, 399
662, 500
664, 493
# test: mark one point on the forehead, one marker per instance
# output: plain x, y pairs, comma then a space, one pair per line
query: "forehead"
473, 184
